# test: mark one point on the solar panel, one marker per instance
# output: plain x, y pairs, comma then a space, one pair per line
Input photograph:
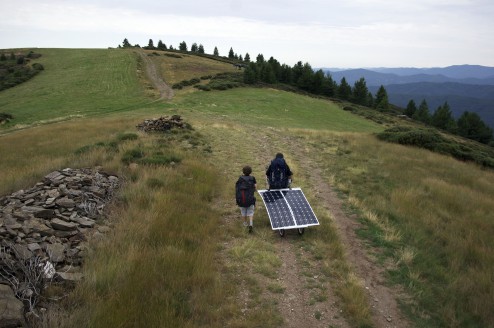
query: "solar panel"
288, 208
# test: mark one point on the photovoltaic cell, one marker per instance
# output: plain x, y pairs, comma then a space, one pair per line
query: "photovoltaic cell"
288, 208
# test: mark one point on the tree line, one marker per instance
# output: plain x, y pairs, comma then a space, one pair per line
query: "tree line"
304, 77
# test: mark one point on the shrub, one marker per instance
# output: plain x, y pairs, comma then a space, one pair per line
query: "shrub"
127, 136
160, 159
38, 67
194, 81
132, 155
432, 140
84, 149
5, 117
424, 138
202, 87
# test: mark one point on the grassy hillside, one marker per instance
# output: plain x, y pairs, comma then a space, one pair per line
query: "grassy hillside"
76, 83
178, 255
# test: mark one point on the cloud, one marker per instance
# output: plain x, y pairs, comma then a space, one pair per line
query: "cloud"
346, 33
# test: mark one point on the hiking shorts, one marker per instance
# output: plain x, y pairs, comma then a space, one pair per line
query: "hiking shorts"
247, 211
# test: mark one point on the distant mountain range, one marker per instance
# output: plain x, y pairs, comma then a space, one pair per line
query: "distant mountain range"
464, 87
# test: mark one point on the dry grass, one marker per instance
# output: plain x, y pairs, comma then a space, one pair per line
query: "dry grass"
436, 211
161, 266
175, 70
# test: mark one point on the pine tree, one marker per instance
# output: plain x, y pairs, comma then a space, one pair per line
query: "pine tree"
423, 114
370, 99
443, 118
297, 71
329, 86
215, 52
161, 45
411, 108
201, 49
126, 43
304, 81
251, 74
344, 90
194, 47
267, 73
360, 91
231, 54
247, 58
286, 74
317, 82
182, 46
381, 101
150, 45
471, 126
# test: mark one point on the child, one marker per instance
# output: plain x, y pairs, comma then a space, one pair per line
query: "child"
245, 187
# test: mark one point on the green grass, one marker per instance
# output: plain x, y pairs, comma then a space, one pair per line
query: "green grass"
159, 265
431, 215
273, 108
175, 70
76, 83
427, 215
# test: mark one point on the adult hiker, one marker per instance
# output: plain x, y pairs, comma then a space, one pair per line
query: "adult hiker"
278, 173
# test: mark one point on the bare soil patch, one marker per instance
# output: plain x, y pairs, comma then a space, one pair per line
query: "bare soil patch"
165, 91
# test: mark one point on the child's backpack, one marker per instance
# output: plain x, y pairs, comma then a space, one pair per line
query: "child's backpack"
244, 191
278, 178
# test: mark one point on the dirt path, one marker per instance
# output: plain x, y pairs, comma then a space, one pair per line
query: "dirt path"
155, 78
385, 310
294, 304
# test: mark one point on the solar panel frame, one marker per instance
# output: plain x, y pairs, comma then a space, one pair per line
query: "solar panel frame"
288, 208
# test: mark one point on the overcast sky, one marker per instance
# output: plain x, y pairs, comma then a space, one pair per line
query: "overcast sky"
324, 33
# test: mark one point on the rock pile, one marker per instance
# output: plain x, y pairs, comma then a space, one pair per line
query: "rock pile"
52, 220
163, 123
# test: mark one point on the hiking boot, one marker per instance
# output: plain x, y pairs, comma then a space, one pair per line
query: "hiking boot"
250, 229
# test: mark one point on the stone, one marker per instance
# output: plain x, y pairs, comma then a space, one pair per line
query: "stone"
65, 202
58, 224
29, 202
33, 247
56, 252
65, 234
23, 252
84, 222
54, 220
54, 176
11, 309
38, 227
68, 276
104, 229
38, 211
22, 215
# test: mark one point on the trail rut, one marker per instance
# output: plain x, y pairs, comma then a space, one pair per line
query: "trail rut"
294, 304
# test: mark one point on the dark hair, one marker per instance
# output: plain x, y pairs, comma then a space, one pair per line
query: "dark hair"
247, 170
279, 155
